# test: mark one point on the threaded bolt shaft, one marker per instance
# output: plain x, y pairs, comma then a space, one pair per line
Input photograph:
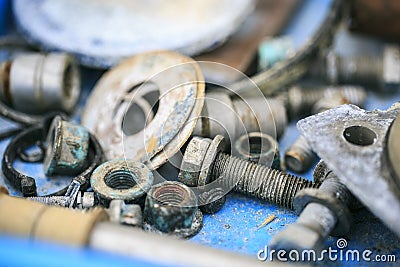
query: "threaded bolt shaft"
299, 157
300, 101
61, 201
258, 180
316, 221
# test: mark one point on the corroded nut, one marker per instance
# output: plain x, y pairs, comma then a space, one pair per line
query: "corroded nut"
170, 207
67, 149
260, 148
192, 161
217, 145
121, 179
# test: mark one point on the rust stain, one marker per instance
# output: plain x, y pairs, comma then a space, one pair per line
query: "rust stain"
152, 143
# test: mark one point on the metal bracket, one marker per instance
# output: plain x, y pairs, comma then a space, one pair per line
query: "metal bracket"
353, 143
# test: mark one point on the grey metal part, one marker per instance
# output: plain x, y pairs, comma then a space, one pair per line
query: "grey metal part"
128, 27
363, 169
136, 243
127, 214
40, 82
128, 180
233, 117
299, 157
258, 147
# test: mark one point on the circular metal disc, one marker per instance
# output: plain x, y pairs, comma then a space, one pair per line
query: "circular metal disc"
181, 87
101, 33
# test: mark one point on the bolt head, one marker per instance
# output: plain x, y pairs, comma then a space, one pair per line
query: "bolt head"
192, 161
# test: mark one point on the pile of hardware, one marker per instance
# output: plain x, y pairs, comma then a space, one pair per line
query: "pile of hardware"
153, 110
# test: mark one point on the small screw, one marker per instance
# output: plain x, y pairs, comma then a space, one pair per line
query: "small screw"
72, 199
300, 157
243, 176
300, 101
377, 71
324, 211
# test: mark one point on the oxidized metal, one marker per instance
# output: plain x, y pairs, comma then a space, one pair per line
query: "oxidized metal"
67, 148
181, 88
300, 157
359, 136
228, 172
272, 50
127, 180
296, 66
233, 117
300, 101
322, 212
377, 72
171, 207
196, 169
260, 148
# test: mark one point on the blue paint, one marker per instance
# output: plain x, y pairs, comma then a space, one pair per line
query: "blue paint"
22, 252
5, 11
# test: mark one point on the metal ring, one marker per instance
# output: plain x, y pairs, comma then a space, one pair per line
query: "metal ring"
121, 179
181, 87
27, 184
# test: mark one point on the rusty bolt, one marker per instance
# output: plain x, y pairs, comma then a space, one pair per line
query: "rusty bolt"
300, 101
323, 212
243, 176
300, 157
382, 72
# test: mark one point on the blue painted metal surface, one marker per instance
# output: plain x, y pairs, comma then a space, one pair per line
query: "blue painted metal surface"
235, 227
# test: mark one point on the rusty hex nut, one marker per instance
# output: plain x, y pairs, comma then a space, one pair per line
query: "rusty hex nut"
260, 148
127, 180
192, 160
67, 148
196, 169
170, 206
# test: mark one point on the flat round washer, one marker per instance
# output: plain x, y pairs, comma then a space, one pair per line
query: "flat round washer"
101, 33
181, 87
